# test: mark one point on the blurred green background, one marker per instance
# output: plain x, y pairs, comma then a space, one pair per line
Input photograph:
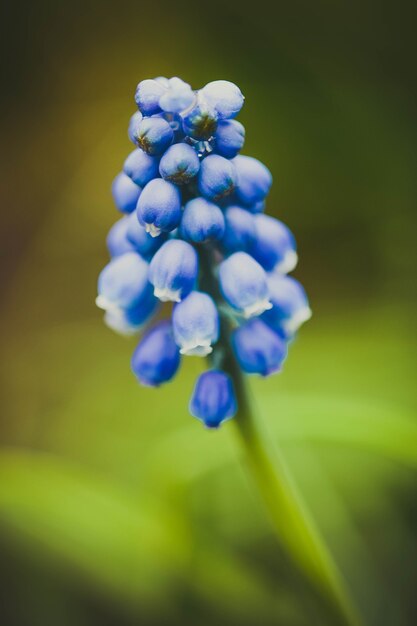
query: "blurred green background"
117, 507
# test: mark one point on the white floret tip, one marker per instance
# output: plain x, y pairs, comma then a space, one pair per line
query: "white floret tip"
198, 347
115, 320
152, 230
257, 308
167, 295
291, 325
107, 305
288, 263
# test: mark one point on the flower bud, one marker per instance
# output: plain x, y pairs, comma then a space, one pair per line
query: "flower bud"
123, 282
202, 221
173, 270
179, 164
243, 284
239, 231
254, 179
229, 138
177, 97
125, 193
213, 399
154, 135
134, 122
147, 96
159, 207
129, 321
117, 241
274, 247
217, 177
142, 241
141, 167
290, 308
200, 120
157, 358
225, 97
258, 349
195, 322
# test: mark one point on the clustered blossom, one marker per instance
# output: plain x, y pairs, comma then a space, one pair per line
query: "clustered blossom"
186, 193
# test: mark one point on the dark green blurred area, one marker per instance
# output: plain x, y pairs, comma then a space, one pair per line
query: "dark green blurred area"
117, 507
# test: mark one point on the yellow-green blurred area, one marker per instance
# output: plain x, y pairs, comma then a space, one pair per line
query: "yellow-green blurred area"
116, 506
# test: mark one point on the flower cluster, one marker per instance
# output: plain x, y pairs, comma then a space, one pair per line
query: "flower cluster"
194, 233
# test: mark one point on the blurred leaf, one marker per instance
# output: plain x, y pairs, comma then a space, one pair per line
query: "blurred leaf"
129, 543
125, 541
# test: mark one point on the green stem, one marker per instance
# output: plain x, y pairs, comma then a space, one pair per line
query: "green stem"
293, 524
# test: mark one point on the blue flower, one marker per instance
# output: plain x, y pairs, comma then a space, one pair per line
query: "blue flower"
240, 232
217, 177
244, 285
173, 270
290, 308
179, 164
213, 400
202, 221
154, 135
125, 193
274, 247
196, 235
258, 349
159, 207
130, 321
117, 241
200, 120
229, 138
134, 122
254, 180
177, 97
143, 242
156, 359
141, 167
123, 282
195, 322
148, 94
225, 97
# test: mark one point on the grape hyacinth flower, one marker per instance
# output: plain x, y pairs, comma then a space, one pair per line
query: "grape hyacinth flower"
156, 358
196, 324
159, 207
217, 177
141, 167
180, 164
253, 180
154, 135
290, 308
197, 237
123, 282
202, 221
200, 120
258, 349
117, 241
274, 246
213, 400
240, 232
173, 270
125, 193
229, 138
243, 284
